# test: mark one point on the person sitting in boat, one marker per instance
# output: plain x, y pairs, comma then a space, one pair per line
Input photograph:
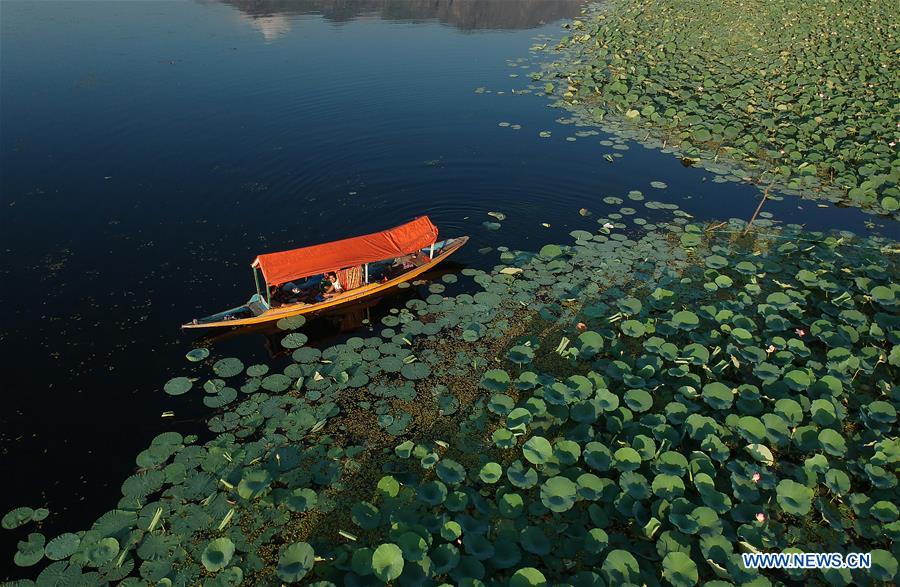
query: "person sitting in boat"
405, 262
290, 293
332, 285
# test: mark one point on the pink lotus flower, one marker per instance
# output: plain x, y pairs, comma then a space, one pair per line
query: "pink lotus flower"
760, 517
800, 332
581, 327
756, 477
771, 349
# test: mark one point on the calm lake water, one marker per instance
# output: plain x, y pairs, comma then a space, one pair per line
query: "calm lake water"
149, 150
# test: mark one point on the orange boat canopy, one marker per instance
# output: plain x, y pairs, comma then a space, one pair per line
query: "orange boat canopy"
278, 268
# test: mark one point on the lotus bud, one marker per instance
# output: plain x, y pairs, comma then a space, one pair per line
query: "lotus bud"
760, 517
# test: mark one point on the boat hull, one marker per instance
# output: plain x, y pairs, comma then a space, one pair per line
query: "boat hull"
355, 295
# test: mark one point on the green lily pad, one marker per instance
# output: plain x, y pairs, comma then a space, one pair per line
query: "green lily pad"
196, 355
178, 386
387, 562
794, 498
17, 517
558, 494
295, 561
217, 554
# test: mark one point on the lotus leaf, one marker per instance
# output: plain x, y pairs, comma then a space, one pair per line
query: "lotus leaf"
620, 568
521, 476
295, 561
638, 400
627, 459
528, 577
520, 354
30, 552
366, 515
537, 450
490, 473
291, 323
503, 438
685, 320
884, 565
794, 498
679, 569
62, 546
17, 517
178, 386
558, 494
415, 371
535, 541
495, 380
667, 487
445, 558
229, 367
566, 452
432, 493
198, 354
102, 552
832, 442
451, 530
412, 545
387, 562
450, 472
549, 252
500, 404
217, 554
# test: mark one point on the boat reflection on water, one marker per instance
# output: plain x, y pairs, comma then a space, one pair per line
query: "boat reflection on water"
334, 326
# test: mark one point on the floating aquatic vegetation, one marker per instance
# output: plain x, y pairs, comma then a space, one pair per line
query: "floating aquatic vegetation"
197, 354
667, 397
798, 97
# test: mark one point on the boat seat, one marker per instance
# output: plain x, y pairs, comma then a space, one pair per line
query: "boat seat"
257, 306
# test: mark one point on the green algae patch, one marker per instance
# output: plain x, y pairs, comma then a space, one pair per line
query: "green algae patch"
796, 95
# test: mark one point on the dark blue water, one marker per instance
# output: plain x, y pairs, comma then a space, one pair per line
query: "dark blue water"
149, 150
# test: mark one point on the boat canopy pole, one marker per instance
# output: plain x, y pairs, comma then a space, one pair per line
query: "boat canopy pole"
256, 281
367, 273
431, 252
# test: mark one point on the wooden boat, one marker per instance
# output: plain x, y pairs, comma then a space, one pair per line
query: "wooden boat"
378, 261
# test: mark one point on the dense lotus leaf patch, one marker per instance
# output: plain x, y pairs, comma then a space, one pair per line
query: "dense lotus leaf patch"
747, 102
734, 422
